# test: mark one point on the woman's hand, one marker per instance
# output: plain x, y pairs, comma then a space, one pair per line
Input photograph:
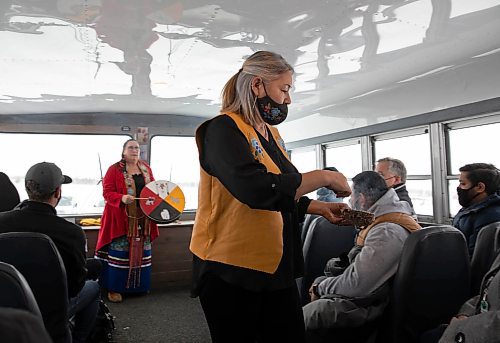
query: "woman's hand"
337, 182
315, 179
332, 211
127, 199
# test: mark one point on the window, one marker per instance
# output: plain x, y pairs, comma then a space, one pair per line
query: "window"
413, 149
469, 144
78, 156
452, 195
175, 158
346, 157
304, 159
472, 145
420, 192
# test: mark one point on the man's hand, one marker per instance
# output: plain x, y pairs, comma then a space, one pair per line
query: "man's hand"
332, 211
313, 292
459, 317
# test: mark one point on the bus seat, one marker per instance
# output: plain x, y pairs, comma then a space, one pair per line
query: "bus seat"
323, 241
21, 326
430, 285
15, 291
309, 218
37, 258
487, 248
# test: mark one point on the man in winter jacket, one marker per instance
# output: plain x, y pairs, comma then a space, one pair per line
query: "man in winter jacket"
478, 195
38, 214
374, 259
478, 320
394, 173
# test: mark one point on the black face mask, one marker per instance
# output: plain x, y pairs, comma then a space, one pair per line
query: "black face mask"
271, 112
464, 198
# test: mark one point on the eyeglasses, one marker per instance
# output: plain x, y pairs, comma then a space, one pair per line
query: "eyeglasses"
390, 177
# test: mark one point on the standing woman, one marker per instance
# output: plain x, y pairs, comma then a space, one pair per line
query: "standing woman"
126, 234
246, 240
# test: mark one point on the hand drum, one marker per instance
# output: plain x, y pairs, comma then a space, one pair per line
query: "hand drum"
162, 201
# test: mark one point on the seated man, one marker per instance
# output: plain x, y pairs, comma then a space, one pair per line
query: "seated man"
43, 185
394, 173
373, 261
477, 194
479, 318
10, 196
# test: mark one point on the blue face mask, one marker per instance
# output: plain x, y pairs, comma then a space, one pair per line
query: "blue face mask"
325, 194
271, 112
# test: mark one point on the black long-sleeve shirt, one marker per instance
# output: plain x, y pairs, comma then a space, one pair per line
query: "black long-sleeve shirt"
225, 154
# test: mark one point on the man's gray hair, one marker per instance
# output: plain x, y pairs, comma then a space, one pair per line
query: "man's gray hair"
396, 167
371, 184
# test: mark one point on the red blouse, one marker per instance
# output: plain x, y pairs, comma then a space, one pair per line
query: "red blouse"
114, 222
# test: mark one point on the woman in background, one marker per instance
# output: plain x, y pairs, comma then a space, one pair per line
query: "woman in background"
124, 242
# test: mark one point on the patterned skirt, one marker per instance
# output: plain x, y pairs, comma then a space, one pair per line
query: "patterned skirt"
115, 271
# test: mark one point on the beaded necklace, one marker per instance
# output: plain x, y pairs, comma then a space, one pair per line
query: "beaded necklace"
132, 208
138, 226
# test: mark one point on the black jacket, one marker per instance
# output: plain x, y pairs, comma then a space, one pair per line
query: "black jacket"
32, 216
10, 196
403, 193
472, 219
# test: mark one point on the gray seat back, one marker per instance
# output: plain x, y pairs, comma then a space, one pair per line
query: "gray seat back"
487, 248
37, 258
21, 326
323, 241
15, 291
430, 285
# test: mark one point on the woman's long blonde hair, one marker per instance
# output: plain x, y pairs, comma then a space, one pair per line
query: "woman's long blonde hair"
237, 95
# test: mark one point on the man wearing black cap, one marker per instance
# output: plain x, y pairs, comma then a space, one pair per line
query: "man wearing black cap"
43, 184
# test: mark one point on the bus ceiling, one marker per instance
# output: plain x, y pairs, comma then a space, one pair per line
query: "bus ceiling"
164, 63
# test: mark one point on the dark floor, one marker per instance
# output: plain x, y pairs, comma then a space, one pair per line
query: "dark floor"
161, 316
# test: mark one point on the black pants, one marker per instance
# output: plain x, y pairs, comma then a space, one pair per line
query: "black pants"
234, 314
94, 268
364, 334
434, 335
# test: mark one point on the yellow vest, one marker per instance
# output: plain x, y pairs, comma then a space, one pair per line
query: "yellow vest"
226, 230
402, 219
